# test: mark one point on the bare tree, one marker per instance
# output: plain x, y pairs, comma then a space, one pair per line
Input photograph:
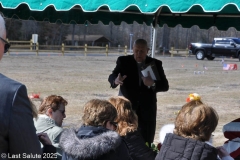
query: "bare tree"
118, 34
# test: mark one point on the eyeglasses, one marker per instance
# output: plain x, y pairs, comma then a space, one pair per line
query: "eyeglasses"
63, 112
6, 46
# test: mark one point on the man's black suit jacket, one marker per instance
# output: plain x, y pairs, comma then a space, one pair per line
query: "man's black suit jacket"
143, 98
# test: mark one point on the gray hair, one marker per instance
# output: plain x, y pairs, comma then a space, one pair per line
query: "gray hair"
141, 42
2, 26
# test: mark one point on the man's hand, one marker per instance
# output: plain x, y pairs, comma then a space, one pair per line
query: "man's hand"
148, 81
119, 79
44, 139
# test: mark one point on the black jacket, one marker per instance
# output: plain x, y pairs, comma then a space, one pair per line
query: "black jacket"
143, 99
137, 147
90, 143
179, 148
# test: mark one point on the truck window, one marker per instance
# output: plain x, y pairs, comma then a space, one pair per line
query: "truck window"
219, 41
223, 41
236, 41
227, 42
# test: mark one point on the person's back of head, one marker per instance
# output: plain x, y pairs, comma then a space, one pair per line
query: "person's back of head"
127, 119
196, 120
98, 112
95, 139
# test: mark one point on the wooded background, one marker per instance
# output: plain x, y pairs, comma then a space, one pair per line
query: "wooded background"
54, 34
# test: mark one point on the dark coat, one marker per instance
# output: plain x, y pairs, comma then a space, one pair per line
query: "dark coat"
17, 131
179, 148
143, 99
90, 143
137, 147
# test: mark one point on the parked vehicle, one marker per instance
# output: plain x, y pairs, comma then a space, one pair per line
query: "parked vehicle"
220, 47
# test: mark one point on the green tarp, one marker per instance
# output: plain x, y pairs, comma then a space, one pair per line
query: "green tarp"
204, 13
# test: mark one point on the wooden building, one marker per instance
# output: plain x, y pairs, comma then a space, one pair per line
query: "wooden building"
90, 40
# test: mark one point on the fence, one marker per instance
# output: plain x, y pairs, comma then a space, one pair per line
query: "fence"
184, 52
28, 46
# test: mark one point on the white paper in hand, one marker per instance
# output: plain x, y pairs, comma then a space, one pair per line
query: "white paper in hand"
149, 69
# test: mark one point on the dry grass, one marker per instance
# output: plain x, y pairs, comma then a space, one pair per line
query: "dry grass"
79, 79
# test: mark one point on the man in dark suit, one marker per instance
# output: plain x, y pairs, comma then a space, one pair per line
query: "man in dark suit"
18, 137
141, 91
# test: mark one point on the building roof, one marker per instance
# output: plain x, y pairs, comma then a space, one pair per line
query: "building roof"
88, 38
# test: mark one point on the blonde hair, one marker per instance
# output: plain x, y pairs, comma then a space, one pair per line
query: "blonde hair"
127, 119
97, 112
196, 120
53, 102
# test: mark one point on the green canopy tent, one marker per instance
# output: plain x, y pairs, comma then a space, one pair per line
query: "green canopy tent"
204, 13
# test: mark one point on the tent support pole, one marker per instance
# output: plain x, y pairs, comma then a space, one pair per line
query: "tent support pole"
154, 41
154, 37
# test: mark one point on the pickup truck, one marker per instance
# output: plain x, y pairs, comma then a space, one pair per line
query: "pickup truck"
220, 47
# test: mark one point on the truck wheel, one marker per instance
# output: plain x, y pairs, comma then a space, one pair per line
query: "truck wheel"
210, 58
200, 55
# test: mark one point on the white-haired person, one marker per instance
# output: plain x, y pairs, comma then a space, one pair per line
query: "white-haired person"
127, 128
96, 138
17, 131
194, 125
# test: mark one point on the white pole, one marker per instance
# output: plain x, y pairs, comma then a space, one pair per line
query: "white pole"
154, 41
130, 46
155, 32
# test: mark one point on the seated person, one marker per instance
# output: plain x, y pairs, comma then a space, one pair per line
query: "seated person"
96, 138
51, 113
127, 128
194, 125
231, 131
43, 138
